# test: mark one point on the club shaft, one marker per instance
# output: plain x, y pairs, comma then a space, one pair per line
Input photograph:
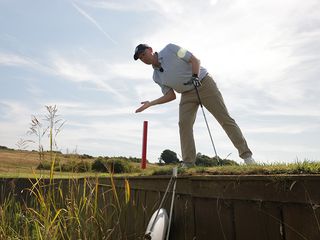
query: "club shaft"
205, 119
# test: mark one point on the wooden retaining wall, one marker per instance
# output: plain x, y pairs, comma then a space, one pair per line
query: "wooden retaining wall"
222, 207
232, 207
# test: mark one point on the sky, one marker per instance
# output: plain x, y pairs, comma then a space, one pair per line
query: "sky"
78, 55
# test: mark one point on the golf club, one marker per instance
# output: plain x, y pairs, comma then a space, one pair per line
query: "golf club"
196, 83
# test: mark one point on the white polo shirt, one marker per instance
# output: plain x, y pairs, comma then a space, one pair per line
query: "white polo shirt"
177, 70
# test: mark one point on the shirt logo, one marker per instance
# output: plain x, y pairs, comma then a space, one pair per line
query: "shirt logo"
181, 53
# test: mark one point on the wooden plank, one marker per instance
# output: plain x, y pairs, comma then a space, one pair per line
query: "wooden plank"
152, 184
130, 209
301, 222
213, 218
183, 225
259, 188
152, 202
134, 216
276, 188
254, 220
291, 188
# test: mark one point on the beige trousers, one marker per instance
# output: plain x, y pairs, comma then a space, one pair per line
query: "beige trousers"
212, 100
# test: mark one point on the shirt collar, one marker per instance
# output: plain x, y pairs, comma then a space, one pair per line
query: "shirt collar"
159, 60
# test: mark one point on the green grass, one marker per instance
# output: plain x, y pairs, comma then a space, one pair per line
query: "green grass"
305, 167
22, 164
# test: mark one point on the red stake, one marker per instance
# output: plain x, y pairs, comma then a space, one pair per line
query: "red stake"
144, 145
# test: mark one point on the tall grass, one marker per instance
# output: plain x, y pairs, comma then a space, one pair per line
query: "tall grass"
69, 209
62, 209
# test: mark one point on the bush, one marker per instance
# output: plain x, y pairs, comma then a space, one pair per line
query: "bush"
82, 167
44, 166
205, 161
99, 165
134, 159
5, 148
66, 167
168, 157
86, 156
114, 165
118, 166
225, 162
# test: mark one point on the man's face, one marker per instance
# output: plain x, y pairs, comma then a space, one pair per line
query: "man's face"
146, 56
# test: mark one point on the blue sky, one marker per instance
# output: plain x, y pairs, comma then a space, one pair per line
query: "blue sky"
78, 55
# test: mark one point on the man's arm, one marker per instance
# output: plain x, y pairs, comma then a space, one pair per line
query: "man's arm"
169, 96
195, 63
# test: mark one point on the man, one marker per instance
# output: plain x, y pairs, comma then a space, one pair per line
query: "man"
174, 69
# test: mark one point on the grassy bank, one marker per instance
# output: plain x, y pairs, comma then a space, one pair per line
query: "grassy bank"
23, 164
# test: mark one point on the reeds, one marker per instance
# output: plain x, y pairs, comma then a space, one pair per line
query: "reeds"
62, 209
65, 209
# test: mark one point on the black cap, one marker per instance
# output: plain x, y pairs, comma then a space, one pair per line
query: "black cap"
139, 49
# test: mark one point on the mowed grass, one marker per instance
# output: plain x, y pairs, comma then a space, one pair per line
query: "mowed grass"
297, 168
304, 167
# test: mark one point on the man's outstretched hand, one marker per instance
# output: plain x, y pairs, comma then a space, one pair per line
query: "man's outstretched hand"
145, 105
169, 96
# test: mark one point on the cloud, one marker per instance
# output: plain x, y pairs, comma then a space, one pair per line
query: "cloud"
125, 5
250, 46
93, 21
24, 62
85, 71
73, 70
9, 59
110, 130
12, 109
15, 116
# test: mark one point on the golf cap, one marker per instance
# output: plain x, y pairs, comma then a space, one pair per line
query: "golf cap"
139, 49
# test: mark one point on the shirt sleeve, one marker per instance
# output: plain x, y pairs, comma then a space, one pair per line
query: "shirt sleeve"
180, 52
165, 89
